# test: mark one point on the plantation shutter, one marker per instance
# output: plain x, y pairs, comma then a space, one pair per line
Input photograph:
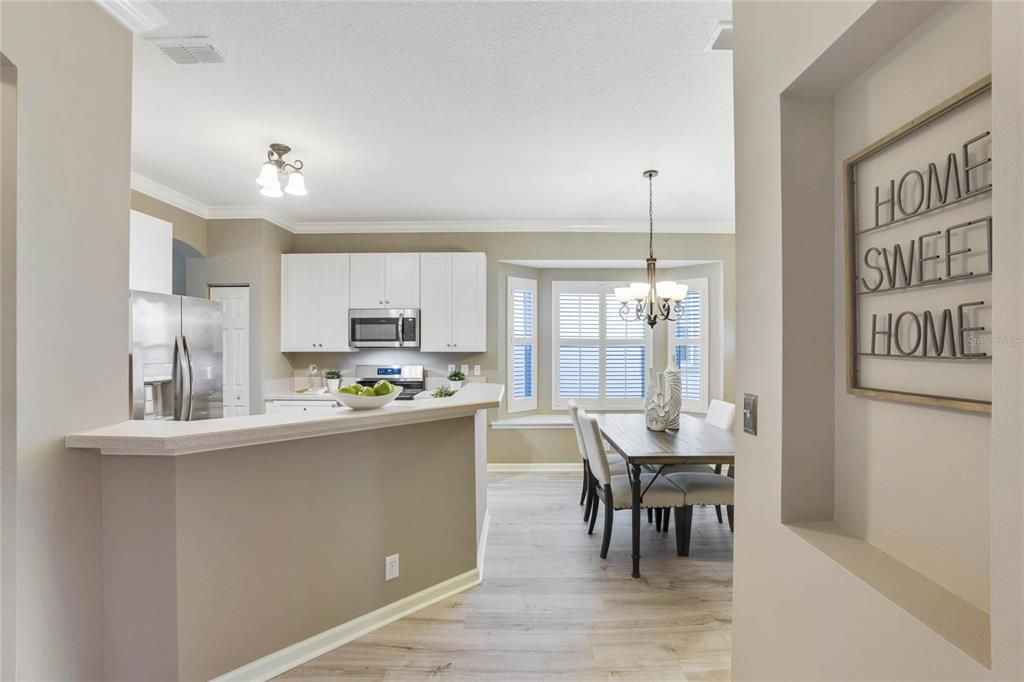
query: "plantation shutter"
688, 346
522, 344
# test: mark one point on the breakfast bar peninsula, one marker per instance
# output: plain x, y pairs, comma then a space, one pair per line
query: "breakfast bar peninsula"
241, 547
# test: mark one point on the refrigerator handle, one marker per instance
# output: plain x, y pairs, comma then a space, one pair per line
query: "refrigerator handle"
190, 385
182, 388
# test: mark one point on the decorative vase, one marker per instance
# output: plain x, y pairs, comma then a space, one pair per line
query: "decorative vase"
454, 385
333, 385
674, 388
656, 411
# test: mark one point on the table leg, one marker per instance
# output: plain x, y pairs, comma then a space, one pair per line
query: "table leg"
636, 520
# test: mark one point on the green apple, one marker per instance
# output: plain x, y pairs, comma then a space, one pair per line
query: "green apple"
367, 392
383, 387
349, 390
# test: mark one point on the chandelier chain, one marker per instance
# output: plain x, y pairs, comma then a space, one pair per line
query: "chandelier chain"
650, 213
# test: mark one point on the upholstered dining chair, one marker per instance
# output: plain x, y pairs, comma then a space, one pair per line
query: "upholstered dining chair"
701, 488
615, 462
721, 414
616, 492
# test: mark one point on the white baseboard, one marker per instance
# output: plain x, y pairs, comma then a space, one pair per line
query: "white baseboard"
285, 659
481, 548
535, 467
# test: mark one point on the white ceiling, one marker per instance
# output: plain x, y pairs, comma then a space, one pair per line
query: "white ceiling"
437, 111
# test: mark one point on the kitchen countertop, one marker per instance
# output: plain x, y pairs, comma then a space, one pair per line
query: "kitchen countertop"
169, 438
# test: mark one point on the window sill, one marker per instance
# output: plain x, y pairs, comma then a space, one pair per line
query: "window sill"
534, 421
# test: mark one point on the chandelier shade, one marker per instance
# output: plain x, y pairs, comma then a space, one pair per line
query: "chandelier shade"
278, 177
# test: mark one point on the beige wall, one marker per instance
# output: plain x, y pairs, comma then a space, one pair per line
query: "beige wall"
944, 453
188, 227
798, 614
225, 557
248, 251
72, 322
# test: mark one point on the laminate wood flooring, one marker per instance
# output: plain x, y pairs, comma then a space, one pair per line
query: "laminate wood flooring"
551, 609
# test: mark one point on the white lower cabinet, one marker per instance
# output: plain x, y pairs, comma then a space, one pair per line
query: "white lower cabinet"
314, 302
453, 302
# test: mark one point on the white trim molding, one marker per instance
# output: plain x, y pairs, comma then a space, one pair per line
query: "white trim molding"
152, 188
138, 16
534, 467
162, 192
481, 546
285, 659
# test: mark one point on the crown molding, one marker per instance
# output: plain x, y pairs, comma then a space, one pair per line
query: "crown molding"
140, 183
163, 193
620, 226
138, 16
253, 212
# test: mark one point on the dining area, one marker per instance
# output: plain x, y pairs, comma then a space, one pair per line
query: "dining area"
628, 466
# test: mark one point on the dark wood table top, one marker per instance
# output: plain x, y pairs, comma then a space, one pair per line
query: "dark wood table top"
694, 443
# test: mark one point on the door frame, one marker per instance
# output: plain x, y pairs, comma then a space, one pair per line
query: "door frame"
252, 378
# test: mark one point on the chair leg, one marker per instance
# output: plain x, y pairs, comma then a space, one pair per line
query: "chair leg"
657, 519
718, 512
593, 514
732, 526
678, 513
683, 549
586, 479
665, 519
591, 504
609, 516
650, 515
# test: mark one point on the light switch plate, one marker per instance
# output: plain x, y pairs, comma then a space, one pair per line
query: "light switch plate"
465, 370
476, 370
750, 413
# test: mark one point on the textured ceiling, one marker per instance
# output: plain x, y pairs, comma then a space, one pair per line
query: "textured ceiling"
445, 111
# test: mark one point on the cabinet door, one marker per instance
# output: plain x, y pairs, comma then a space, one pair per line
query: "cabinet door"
366, 280
300, 296
469, 302
402, 280
435, 302
333, 270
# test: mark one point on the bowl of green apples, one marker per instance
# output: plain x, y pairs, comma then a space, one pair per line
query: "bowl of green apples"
360, 397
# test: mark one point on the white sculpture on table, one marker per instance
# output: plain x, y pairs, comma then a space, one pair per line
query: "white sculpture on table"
657, 404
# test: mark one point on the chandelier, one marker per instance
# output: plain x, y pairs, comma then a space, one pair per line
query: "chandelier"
651, 301
276, 174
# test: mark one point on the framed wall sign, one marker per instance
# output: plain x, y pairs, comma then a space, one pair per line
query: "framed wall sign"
919, 240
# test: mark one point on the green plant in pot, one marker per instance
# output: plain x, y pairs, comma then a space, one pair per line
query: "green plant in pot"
333, 377
455, 379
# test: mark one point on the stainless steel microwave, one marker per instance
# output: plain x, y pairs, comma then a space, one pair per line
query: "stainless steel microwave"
384, 328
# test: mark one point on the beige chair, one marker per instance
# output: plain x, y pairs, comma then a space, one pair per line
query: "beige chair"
616, 492
615, 462
722, 415
701, 488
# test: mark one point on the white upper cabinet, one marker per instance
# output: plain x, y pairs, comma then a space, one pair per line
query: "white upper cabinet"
453, 305
385, 280
314, 302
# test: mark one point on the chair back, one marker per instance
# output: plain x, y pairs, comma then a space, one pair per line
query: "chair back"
574, 409
592, 442
721, 414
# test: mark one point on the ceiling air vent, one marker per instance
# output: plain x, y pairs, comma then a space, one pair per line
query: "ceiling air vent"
721, 39
189, 50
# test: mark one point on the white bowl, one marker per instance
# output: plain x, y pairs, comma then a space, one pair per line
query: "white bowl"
365, 402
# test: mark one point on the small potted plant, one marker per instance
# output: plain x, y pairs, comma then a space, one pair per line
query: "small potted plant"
333, 380
455, 379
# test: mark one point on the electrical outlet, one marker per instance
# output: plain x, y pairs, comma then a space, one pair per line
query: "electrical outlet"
451, 368
476, 370
390, 567
465, 370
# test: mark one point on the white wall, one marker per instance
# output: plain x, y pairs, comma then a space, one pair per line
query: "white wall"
74, 108
798, 614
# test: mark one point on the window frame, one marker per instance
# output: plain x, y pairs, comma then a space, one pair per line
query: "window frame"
529, 403
603, 288
695, 284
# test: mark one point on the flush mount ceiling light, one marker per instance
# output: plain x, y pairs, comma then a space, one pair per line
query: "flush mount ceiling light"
651, 301
276, 173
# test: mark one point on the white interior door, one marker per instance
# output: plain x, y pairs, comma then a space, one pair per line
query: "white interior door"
235, 301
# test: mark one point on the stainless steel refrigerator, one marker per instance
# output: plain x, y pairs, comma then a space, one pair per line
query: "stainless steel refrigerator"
175, 358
